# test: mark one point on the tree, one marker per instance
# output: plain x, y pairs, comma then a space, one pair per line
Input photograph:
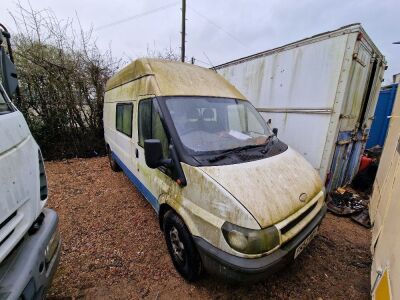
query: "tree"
62, 75
167, 54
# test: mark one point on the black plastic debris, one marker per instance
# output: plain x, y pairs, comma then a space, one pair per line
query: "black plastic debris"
344, 203
362, 218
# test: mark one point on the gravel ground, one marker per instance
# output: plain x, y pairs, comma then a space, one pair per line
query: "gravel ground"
113, 248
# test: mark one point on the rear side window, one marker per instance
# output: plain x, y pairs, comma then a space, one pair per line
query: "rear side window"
123, 118
4, 106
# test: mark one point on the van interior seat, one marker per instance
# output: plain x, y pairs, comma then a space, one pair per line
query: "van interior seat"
209, 122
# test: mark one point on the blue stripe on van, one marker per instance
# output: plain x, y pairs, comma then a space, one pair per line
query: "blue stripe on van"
139, 185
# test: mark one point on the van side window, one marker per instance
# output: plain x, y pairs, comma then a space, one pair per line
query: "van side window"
123, 118
150, 125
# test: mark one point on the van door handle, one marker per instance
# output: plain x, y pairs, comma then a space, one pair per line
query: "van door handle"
137, 153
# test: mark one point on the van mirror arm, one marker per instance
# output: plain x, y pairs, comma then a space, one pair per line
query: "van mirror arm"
168, 163
154, 159
181, 180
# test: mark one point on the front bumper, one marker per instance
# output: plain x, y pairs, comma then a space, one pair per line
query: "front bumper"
24, 273
239, 269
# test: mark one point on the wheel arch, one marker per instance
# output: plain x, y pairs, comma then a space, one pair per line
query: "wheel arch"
164, 208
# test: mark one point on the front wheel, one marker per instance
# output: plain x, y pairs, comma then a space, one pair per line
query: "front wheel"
181, 248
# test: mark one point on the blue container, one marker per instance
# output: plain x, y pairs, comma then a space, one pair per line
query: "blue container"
379, 128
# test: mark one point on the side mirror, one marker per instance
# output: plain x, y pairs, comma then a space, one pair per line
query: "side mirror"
153, 154
275, 131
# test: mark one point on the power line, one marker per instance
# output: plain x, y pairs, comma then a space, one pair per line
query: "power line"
146, 13
219, 27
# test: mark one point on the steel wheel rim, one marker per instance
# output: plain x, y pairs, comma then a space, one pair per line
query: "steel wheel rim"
178, 249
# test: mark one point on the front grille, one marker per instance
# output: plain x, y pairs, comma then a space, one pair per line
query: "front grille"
295, 221
43, 178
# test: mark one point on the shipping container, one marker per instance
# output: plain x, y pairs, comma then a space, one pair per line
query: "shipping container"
320, 92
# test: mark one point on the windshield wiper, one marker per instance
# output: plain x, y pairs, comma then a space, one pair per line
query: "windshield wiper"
225, 153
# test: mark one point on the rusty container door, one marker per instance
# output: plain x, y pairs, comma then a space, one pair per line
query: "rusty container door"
357, 113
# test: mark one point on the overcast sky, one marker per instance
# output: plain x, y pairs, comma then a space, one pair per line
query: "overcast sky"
220, 31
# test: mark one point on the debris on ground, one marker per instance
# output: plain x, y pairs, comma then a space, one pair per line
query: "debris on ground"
347, 202
344, 202
362, 218
353, 200
113, 248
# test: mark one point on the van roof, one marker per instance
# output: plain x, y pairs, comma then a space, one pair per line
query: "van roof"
171, 78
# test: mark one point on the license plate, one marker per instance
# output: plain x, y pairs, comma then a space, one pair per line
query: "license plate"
304, 243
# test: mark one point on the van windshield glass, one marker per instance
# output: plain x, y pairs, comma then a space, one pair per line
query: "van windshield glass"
216, 124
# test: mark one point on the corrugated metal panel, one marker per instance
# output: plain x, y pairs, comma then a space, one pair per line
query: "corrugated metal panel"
381, 122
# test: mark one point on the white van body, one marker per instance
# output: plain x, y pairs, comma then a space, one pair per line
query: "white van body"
213, 201
29, 238
320, 92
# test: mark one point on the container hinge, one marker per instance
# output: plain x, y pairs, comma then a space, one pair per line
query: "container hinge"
346, 116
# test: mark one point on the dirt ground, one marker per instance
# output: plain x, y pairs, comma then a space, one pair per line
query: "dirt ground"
113, 248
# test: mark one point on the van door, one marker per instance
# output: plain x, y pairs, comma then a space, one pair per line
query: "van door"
155, 182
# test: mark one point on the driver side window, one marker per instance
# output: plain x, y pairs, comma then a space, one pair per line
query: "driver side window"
150, 125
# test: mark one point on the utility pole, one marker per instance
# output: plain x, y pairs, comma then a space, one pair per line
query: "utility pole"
183, 33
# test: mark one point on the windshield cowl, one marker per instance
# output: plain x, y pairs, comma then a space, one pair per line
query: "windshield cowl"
246, 155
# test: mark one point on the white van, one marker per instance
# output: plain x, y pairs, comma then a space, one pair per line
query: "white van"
230, 196
30, 243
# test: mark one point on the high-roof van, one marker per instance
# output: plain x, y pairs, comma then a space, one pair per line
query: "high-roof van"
231, 197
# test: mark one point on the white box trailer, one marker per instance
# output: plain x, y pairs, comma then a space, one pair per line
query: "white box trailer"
320, 92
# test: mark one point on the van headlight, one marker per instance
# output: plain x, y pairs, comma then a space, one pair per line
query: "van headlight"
251, 241
52, 246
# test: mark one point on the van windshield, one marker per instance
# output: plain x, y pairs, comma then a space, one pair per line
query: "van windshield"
216, 124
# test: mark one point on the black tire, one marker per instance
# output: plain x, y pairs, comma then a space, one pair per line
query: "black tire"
113, 164
187, 260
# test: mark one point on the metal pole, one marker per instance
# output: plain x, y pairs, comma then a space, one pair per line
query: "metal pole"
183, 33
